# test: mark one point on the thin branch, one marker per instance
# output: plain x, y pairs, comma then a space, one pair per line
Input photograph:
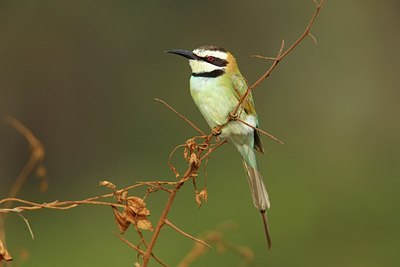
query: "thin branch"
170, 165
27, 224
313, 38
62, 205
180, 115
65, 205
156, 185
167, 222
263, 57
212, 149
191, 170
138, 250
307, 30
261, 131
281, 55
278, 58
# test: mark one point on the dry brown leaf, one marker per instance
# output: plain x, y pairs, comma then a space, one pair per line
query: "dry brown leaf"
144, 224
186, 152
137, 205
139, 221
4, 255
136, 213
193, 160
191, 144
174, 170
121, 220
201, 197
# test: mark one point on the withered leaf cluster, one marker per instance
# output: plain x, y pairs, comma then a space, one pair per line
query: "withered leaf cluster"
135, 211
189, 151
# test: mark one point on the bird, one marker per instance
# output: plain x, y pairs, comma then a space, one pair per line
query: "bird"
216, 86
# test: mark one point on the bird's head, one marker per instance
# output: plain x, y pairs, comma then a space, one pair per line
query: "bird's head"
208, 61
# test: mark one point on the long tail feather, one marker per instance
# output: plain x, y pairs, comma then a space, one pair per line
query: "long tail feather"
266, 228
257, 187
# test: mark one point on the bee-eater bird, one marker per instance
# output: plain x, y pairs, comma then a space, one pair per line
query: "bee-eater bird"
216, 86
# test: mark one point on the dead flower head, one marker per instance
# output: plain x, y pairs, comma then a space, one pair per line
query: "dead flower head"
135, 212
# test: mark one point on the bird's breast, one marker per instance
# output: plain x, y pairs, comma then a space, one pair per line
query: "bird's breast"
214, 99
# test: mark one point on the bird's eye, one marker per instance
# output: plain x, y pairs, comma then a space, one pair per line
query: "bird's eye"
210, 58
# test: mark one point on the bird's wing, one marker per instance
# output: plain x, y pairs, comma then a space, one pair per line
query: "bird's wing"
240, 87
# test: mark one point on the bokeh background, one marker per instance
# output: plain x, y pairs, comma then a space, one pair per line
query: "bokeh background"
82, 76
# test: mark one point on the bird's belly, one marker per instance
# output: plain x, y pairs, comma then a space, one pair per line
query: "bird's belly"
215, 104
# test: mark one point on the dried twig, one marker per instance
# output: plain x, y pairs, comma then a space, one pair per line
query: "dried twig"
27, 225
260, 130
281, 55
191, 171
180, 115
167, 222
137, 249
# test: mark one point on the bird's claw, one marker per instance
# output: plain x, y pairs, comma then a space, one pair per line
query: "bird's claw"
216, 131
232, 117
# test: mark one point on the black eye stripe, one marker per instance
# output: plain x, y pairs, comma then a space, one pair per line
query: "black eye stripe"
217, 61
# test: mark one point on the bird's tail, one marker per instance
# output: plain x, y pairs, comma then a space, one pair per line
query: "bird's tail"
257, 187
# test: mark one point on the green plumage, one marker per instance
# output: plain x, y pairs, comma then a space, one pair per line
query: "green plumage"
217, 86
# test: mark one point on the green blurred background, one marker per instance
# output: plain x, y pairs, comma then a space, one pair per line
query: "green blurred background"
82, 76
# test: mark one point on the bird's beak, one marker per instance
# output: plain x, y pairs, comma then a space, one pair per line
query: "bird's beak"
183, 53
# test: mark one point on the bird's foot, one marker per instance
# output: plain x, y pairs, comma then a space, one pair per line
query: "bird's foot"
216, 131
232, 117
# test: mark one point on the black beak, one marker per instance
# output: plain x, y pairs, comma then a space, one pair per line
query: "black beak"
183, 53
